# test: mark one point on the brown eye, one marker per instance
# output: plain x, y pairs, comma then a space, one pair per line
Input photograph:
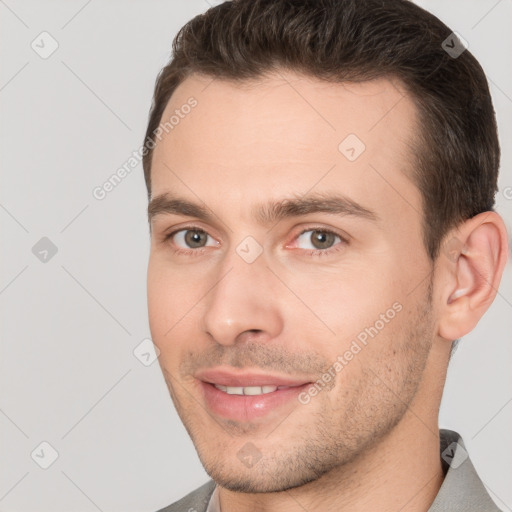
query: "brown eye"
322, 239
195, 239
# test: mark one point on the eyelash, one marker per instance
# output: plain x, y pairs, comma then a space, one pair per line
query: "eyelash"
310, 252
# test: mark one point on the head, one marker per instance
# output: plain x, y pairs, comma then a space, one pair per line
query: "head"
321, 213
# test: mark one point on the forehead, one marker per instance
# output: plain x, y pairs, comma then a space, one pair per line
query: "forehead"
288, 133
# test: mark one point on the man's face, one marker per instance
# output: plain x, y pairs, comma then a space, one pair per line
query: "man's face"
252, 301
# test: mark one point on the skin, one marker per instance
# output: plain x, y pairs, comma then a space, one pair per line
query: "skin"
368, 440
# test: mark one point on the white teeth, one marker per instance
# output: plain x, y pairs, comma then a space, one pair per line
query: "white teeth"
258, 390
234, 391
247, 390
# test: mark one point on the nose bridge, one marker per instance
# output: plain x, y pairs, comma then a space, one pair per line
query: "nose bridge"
241, 298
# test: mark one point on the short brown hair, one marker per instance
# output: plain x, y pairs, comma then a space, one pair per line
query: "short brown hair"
457, 159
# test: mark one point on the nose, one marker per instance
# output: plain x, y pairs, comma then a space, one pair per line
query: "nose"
244, 298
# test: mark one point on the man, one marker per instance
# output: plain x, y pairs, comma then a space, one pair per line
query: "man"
321, 177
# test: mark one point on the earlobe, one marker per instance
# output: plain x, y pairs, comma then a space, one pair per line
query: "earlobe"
471, 263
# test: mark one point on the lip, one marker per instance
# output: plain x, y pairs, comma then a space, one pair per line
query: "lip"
243, 379
246, 408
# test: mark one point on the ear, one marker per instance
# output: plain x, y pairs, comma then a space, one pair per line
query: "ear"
470, 267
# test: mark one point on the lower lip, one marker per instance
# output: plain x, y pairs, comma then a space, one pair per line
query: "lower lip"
247, 407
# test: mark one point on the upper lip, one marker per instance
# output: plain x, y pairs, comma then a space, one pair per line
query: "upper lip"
245, 379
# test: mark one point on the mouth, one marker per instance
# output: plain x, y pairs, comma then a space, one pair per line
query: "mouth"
250, 390
244, 397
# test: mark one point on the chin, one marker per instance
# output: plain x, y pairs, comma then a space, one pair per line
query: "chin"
260, 478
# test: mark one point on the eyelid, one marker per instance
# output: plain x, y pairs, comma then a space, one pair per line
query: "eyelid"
168, 233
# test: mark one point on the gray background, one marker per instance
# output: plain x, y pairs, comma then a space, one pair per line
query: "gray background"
69, 325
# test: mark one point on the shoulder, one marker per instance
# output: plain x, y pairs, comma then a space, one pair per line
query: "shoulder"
196, 501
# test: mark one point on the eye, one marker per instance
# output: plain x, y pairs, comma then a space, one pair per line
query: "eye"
318, 239
191, 238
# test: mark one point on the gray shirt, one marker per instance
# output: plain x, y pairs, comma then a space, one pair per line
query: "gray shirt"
461, 491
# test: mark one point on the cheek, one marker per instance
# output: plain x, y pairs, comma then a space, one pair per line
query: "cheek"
158, 301
349, 298
373, 365
162, 314
367, 312
165, 302
173, 297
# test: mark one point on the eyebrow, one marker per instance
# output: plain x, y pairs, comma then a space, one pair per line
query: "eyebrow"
268, 213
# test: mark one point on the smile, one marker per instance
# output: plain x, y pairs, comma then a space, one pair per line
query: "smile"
249, 390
